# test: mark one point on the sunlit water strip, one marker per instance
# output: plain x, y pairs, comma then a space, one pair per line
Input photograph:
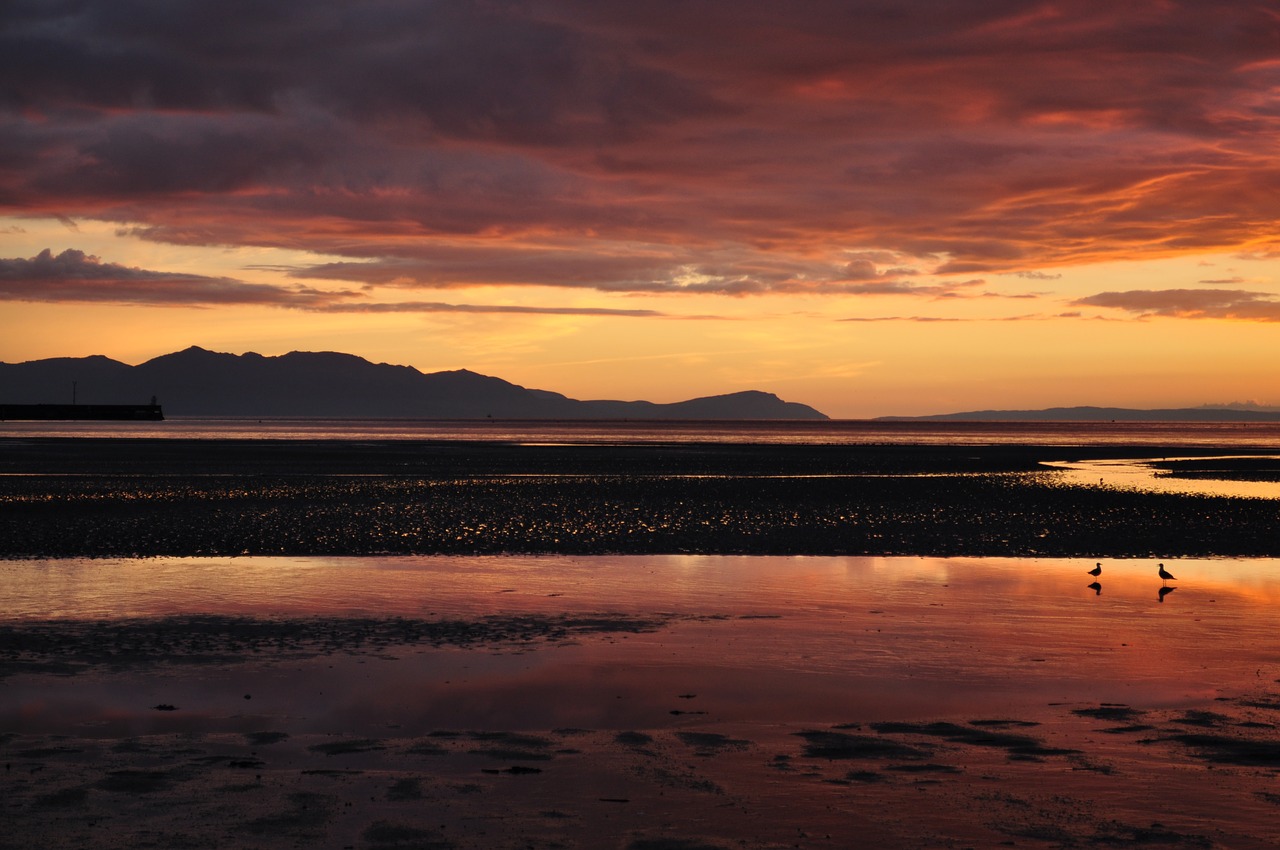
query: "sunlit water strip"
1139, 474
96, 588
611, 432
1005, 622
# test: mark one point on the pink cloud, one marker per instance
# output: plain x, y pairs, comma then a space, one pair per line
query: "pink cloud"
735, 149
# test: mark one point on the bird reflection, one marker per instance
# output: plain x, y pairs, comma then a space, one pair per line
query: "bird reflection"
1096, 571
1096, 587
1163, 592
1165, 575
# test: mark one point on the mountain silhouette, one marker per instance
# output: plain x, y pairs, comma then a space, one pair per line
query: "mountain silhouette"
198, 382
1098, 414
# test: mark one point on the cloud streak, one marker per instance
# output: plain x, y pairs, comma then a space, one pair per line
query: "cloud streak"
74, 276
1235, 304
740, 149
441, 307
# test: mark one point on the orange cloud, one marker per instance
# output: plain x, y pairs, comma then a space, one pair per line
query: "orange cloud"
734, 149
1191, 303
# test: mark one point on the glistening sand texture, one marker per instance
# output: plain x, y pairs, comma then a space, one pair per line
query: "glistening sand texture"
102, 498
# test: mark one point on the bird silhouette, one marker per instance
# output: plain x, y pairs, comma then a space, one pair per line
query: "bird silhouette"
1096, 587
1165, 575
1096, 571
1163, 592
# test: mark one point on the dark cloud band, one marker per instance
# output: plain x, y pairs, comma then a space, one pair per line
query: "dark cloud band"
769, 141
74, 276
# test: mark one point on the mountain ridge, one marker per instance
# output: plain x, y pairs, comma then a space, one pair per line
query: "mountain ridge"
330, 384
1098, 414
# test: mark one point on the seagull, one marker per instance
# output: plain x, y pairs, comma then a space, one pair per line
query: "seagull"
1096, 571
1165, 575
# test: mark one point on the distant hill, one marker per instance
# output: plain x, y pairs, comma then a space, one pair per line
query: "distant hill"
197, 382
1099, 414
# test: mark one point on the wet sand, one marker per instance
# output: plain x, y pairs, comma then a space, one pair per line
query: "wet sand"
1092, 776
750, 702
675, 703
102, 498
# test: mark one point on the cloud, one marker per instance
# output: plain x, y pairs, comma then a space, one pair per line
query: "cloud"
1260, 254
440, 307
922, 319
724, 270
1191, 303
940, 289
1251, 404
735, 149
76, 276
930, 319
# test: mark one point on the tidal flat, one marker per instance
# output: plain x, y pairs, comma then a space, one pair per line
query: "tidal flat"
125, 498
447, 645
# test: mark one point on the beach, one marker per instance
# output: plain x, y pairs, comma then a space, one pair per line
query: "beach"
567, 425
141, 498
456, 645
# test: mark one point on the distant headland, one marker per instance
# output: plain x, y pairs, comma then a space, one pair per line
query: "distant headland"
196, 382
1100, 414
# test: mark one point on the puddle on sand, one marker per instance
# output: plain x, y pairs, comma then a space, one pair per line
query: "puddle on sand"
1141, 474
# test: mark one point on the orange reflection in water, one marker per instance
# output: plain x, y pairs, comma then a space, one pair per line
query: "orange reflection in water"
812, 638
1139, 474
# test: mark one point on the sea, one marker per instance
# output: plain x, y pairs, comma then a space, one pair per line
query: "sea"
1234, 435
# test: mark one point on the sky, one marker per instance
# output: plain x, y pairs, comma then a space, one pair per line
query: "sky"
875, 207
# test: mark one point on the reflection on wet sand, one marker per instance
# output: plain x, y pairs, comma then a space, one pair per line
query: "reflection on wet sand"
1191, 475
637, 702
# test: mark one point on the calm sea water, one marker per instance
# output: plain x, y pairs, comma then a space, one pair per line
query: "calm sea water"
838, 432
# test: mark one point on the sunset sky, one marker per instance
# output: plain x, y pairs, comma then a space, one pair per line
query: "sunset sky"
874, 207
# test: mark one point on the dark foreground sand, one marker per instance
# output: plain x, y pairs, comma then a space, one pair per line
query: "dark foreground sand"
94, 498
203, 772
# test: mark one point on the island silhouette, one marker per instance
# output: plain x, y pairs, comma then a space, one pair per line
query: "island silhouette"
1099, 414
198, 382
